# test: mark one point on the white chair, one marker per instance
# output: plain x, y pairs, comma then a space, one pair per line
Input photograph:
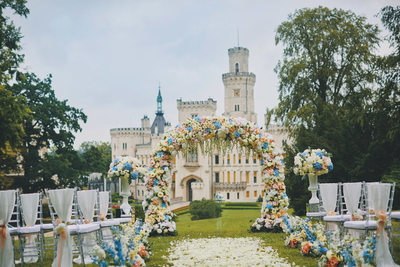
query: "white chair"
30, 209
105, 211
86, 228
8, 204
336, 207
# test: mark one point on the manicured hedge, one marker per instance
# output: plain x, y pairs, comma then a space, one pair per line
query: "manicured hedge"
205, 209
243, 204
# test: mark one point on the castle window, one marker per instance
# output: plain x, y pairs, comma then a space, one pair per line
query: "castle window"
255, 193
216, 159
217, 177
247, 194
247, 177
237, 67
194, 116
237, 195
247, 160
254, 159
227, 195
229, 177
234, 177
236, 107
234, 159
192, 155
236, 92
255, 177
239, 159
228, 159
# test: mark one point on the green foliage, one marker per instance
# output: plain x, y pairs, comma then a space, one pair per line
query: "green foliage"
54, 123
97, 156
139, 212
14, 110
259, 199
335, 93
204, 209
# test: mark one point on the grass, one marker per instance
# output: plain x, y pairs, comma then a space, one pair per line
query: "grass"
233, 223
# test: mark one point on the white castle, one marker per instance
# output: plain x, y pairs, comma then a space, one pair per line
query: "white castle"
234, 176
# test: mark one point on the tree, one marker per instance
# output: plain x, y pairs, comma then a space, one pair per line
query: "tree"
326, 83
96, 156
54, 123
13, 109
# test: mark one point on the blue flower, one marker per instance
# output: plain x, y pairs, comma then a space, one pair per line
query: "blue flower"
166, 217
208, 129
284, 195
259, 135
330, 167
217, 124
163, 205
134, 175
128, 166
197, 118
323, 250
114, 169
230, 121
319, 154
150, 169
276, 171
317, 165
159, 154
156, 182
189, 128
304, 154
262, 162
265, 145
268, 206
170, 141
237, 134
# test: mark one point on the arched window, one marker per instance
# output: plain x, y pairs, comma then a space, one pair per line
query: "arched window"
237, 67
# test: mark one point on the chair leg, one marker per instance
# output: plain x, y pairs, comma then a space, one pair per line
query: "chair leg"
80, 245
21, 249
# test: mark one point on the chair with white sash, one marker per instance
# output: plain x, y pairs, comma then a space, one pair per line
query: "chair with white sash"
30, 228
334, 203
105, 217
8, 200
60, 205
86, 230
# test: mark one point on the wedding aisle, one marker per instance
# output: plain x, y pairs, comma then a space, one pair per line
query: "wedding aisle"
243, 251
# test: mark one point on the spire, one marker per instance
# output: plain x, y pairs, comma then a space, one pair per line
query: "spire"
159, 101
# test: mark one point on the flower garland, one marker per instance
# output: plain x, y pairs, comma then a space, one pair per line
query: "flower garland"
126, 167
312, 161
314, 241
130, 246
210, 134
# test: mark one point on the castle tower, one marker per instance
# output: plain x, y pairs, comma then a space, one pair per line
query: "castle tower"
159, 122
239, 86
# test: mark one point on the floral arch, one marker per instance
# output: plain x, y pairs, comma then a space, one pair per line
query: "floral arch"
210, 134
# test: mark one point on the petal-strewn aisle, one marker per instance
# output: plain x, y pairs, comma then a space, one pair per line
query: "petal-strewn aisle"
245, 251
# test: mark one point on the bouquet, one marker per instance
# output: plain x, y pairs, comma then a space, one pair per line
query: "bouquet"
126, 167
312, 161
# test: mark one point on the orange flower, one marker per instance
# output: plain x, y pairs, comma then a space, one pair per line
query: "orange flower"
293, 243
306, 248
155, 201
142, 252
333, 262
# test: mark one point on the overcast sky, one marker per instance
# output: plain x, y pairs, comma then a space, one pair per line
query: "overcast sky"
108, 57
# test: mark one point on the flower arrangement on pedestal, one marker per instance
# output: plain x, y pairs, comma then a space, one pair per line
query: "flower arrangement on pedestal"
215, 134
313, 162
127, 169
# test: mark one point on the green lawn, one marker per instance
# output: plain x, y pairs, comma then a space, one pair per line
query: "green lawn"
233, 223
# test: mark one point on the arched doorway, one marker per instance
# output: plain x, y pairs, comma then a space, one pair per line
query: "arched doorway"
189, 190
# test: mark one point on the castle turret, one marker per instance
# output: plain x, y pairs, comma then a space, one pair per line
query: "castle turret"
159, 122
145, 122
239, 86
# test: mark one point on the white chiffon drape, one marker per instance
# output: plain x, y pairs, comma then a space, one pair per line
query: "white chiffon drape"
352, 194
104, 201
29, 204
329, 196
62, 201
7, 200
87, 200
380, 197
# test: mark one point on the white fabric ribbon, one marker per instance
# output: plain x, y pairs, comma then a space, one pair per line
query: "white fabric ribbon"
329, 196
104, 200
380, 197
30, 203
7, 200
352, 193
62, 201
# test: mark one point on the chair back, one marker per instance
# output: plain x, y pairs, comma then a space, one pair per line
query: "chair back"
329, 196
15, 219
31, 209
86, 204
53, 213
105, 204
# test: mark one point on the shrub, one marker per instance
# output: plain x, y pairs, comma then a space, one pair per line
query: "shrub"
242, 204
204, 209
259, 199
139, 212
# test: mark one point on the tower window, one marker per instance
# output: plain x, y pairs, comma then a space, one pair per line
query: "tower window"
217, 177
236, 107
237, 67
192, 155
237, 195
216, 159
227, 195
194, 116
